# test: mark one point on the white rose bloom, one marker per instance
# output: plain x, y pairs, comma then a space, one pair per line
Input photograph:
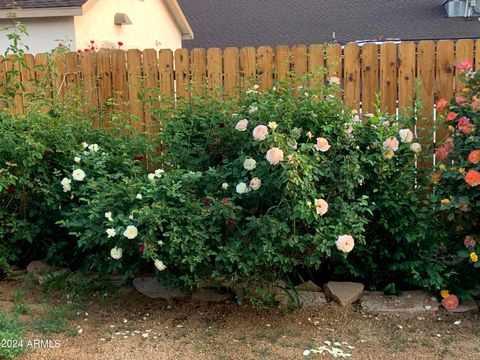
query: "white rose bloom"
76, 159
67, 188
416, 147
151, 177
160, 265
78, 174
345, 243
93, 147
242, 188
85, 145
224, 186
108, 215
111, 232
249, 164
160, 242
131, 217
406, 135
255, 183
116, 253
131, 232
159, 172
139, 196
252, 109
66, 181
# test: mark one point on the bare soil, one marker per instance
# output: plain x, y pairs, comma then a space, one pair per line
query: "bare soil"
126, 325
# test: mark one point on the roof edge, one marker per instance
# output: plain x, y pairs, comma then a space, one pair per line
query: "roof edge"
180, 19
41, 12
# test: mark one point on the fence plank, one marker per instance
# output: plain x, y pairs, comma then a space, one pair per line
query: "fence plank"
334, 63
463, 51
282, 62
316, 65
265, 67
214, 70
151, 88
165, 73
426, 75
134, 70
182, 73
406, 78
104, 76
231, 70
248, 67
300, 63
72, 73
444, 82
12, 68
28, 79
89, 83
369, 77
199, 71
58, 71
477, 55
388, 77
119, 80
352, 76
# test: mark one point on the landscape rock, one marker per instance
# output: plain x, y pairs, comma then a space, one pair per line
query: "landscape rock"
211, 295
466, 306
308, 286
408, 302
150, 287
343, 293
42, 272
302, 298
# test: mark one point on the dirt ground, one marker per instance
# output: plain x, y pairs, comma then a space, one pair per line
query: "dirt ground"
126, 325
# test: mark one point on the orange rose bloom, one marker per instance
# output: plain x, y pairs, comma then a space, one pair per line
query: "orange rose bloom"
451, 116
450, 302
474, 157
472, 178
436, 177
441, 104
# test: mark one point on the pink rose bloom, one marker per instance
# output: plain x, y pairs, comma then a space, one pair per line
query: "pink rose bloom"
460, 100
391, 144
345, 243
242, 125
464, 65
322, 145
406, 135
274, 155
260, 132
469, 241
464, 125
441, 104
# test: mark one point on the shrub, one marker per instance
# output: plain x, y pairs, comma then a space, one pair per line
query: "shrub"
456, 180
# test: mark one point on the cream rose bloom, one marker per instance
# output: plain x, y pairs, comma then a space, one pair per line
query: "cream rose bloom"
160, 265
274, 156
67, 184
334, 80
108, 215
241, 188
139, 196
260, 132
272, 125
77, 159
345, 243
151, 176
131, 232
406, 135
116, 253
321, 206
416, 147
322, 144
388, 154
111, 232
249, 164
241, 125
225, 186
78, 174
93, 148
255, 183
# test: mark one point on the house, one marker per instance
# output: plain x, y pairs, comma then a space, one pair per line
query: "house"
137, 24
223, 23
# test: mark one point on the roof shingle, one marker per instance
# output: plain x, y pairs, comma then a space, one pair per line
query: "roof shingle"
40, 4
223, 23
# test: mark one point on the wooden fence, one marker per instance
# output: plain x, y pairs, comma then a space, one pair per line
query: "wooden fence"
127, 77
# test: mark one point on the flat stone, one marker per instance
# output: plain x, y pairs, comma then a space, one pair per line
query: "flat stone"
150, 287
343, 293
408, 302
466, 306
302, 298
308, 286
211, 295
42, 272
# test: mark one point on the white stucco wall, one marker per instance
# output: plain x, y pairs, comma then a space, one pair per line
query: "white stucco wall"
152, 25
44, 33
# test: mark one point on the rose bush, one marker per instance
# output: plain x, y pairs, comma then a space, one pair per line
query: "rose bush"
456, 181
